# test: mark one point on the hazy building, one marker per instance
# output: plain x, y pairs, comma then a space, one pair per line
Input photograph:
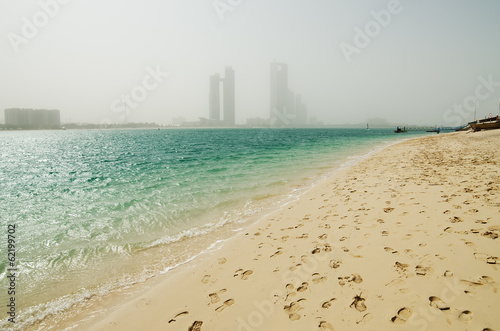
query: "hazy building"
214, 98
228, 89
290, 104
32, 118
229, 97
279, 90
300, 111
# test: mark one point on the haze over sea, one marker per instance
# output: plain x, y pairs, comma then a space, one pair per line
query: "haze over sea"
97, 210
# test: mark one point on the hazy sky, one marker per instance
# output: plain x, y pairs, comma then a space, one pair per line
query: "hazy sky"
417, 61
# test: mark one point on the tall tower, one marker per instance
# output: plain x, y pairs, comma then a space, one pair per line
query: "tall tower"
229, 99
214, 98
228, 90
279, 90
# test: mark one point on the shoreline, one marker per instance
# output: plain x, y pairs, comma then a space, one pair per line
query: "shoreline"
200, 296
290, 189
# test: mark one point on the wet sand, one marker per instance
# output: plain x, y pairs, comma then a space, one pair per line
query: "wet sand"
407, 239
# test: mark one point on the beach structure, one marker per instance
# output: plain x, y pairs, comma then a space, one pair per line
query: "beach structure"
486, 124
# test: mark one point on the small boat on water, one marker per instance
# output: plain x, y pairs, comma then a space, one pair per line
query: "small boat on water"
485, 124
434, 130
399, 130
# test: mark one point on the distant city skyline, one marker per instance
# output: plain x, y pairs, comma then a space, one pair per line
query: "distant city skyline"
349, 60
32, 118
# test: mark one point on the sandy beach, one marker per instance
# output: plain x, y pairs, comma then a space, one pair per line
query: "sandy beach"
406, 239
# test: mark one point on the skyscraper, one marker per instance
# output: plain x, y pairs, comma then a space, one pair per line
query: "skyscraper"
229, 98
279, 90
228, 90
214, 98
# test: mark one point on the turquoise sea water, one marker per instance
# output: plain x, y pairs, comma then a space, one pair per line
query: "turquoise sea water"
96, 210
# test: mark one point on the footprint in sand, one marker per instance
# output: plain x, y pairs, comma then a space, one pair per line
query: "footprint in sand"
246, 274
448, 274
487, 280
421, 270
359, 303
490, 234
385, 233
388, 210
323, 236
318, 279
401, 267
438, 303
492, 260
335, 264
277, 253
324, 325
221, 261
484, 280
293, 308
226, 304
328, 304
456, 219
316, 251
205, 279
402, 316
466, 316
196, 326
214, 298
356, 278
303, 287
178, 315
